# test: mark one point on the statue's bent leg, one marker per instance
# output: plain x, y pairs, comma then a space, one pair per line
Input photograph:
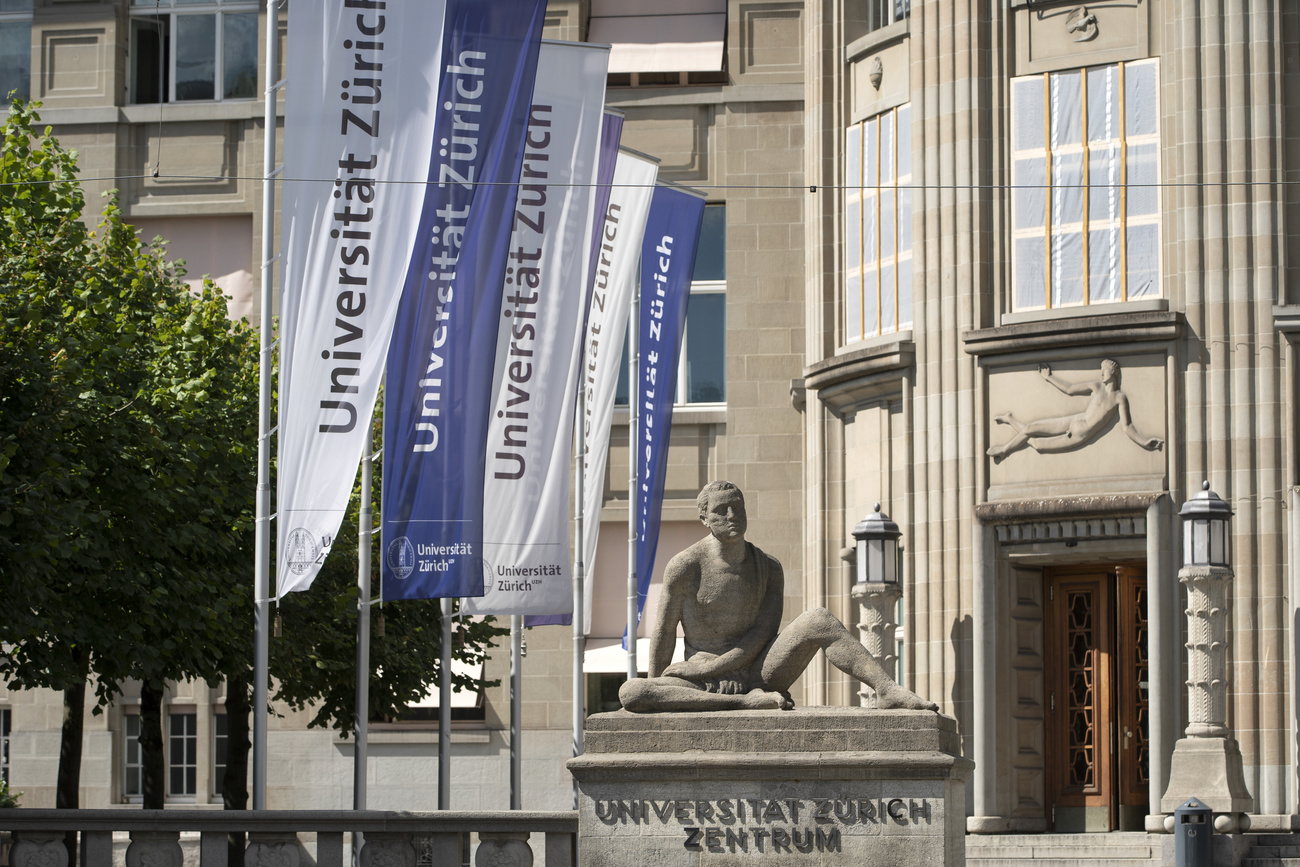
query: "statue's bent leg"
666, 694
818, 629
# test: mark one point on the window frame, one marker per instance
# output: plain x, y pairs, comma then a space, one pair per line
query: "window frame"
6, 732
169, 11
188, 740
220, 750
132, 757
1055, 233
20, 16
863, 192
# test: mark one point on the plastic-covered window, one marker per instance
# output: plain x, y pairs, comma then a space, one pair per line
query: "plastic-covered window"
878, 225
1085, 210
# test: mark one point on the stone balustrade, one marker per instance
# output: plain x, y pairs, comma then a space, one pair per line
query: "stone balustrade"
389, 837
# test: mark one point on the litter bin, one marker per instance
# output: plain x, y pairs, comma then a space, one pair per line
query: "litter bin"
1193, 827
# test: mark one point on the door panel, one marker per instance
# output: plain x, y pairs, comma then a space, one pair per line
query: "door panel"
1097, 698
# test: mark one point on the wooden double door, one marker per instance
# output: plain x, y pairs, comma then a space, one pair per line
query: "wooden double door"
1097, 698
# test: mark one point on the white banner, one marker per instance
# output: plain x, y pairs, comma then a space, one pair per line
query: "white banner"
616, 276
539, 349
359, 118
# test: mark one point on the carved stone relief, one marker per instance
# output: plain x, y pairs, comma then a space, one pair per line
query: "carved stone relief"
503, 849
1107, 403
1076, 427
1081, 25
154, 849
39, 850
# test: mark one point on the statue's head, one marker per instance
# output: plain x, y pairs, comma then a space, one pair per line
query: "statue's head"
722, 510
1110, 371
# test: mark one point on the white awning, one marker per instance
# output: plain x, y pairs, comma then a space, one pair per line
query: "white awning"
607, 656
678, 36
458, 698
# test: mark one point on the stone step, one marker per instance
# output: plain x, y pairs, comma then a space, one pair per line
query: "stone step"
1092, 859
1269, 861
1120, 849
1267, 850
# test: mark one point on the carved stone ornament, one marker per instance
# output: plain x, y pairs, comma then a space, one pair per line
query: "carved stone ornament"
271, 850
876, 71
1081, 24
387, 850
154, 849
1106, 404
503, 849
35, 849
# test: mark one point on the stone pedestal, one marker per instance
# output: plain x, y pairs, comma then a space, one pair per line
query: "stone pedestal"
816, 786
1210, 770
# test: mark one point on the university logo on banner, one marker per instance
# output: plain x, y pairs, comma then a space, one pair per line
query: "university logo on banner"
539, 345
441, 360
362, 115
621, 234
672, 233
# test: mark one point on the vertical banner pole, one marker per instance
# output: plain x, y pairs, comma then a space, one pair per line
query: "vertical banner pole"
516, 710
633, 372
365, 529
261, 546
444, 712
579, 574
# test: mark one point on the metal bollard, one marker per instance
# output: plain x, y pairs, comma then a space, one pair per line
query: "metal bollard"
1193, 829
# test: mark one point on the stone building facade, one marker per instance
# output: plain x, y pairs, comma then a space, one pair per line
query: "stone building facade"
1087, 183
1018, 271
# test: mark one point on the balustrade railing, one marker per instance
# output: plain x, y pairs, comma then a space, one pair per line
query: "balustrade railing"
390, 839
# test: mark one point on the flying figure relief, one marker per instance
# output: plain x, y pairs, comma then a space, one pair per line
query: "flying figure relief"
1053, 435
727, 595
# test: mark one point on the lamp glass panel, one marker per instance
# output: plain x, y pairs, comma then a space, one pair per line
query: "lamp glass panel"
1200, 541
876, 556
1217, 534
891, 561
862, 561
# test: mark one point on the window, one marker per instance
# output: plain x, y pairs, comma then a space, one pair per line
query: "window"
6, 720
1085, 175
132, 765
878, 225
182, 754
201, 51
15, 49
702, 367
219, 742
882, 13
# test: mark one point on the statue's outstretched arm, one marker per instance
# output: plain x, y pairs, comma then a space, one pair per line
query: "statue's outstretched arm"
1151, 444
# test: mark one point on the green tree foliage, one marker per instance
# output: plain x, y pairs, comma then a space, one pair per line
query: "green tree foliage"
318, 644
128, 412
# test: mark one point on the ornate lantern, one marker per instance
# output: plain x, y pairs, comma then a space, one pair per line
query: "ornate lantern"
877, 549
1205, 529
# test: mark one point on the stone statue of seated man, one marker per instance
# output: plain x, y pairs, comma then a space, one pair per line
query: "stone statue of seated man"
727, 596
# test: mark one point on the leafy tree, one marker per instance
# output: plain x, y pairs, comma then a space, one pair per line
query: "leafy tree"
127, 410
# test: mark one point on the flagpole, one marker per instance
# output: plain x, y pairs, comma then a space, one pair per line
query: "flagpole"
634, 366
516, 710
579, 570
261, 546
444, 712
365, 529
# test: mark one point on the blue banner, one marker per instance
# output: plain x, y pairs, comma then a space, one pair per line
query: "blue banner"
441, 359
672, 232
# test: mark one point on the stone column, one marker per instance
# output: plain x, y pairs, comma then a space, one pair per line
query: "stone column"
876, 626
